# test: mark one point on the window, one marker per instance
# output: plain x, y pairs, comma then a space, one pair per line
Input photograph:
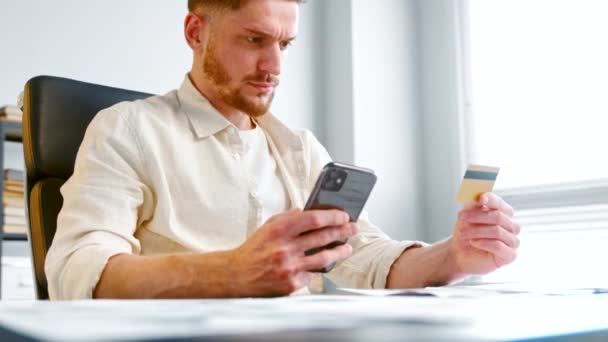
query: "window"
538, 72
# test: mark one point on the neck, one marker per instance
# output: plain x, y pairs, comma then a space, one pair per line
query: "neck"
239, 119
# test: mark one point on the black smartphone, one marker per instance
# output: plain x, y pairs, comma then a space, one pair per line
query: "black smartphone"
344, 187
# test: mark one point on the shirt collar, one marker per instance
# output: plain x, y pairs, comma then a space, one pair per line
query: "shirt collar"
280, 132
207, 121
204, 118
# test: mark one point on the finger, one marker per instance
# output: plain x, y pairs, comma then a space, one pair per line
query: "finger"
494, 201
479, 202
301, 279
299, 222
492, 217
279, 215
293, 282
491, 233
503, 254
472, 206
324, 236
324, 258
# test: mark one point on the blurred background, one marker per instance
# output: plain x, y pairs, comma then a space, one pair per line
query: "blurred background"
414, 89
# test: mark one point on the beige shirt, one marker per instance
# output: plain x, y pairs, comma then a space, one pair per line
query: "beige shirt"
165, 175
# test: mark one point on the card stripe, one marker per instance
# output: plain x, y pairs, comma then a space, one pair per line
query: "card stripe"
481, 175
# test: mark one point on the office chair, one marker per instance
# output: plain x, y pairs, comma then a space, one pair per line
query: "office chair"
56, 113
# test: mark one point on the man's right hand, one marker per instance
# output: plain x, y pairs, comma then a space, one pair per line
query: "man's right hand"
272, 261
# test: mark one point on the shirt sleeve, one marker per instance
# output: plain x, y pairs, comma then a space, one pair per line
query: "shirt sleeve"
103, 202
373, 251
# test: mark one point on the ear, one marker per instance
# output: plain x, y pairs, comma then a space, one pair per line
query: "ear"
194, 26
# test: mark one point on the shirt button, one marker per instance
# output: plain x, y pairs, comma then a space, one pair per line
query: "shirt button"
254, 194
236, 156
231, 130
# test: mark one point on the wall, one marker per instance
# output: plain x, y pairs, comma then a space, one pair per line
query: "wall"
140, 46
135, 44
370, 101
442, 114
393, 101
336, 79
386, 110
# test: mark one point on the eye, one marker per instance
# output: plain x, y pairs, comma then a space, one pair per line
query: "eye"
254, 40
284, 45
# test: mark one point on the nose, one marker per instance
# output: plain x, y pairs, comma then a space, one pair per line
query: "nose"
271, 61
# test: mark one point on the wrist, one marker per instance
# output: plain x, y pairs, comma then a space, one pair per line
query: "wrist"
232, 280
433, 265
213, 275
449, 270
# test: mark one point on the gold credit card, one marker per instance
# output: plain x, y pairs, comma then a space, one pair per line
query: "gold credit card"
477, 180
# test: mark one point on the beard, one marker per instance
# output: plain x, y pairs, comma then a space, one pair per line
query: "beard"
217, 73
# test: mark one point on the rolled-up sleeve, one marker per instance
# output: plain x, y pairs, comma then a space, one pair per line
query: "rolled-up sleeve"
373, 251
103, 202
373, 255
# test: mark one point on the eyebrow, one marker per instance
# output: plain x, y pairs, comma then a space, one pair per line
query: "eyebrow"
264, 33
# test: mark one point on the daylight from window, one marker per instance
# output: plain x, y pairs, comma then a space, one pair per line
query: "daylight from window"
539, 110
539, 84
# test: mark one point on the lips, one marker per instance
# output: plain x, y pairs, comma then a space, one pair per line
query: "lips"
263, 86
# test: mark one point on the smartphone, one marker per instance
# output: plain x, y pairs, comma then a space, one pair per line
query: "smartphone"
344, 187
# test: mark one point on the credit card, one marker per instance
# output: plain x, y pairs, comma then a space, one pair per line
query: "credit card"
477, 180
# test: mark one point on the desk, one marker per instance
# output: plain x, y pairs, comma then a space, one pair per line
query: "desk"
320, 317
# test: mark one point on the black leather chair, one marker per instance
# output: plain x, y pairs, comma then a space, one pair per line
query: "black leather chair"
56, 113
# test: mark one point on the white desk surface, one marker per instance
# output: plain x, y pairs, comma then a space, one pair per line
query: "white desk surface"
470, 315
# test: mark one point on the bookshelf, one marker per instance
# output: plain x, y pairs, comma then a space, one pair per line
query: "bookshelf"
9, 131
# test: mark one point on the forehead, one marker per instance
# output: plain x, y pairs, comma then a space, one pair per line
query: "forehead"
277, 18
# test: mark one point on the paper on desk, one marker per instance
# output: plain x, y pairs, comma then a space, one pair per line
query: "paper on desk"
125, 320
174, 319
464, 290
539, 289
384, 292
439, 292
446, 292
470, 291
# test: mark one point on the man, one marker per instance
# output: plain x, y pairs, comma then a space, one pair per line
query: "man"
197, 193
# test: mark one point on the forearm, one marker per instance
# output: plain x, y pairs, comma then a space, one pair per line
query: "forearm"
169, 276
424, 266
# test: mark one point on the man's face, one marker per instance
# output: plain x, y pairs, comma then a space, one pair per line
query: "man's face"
244, 52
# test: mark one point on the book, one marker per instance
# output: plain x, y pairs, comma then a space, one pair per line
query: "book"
17, 201
14, 229
14, 175
13, 188
13, 194
10, 110
11, 113
14, 182
13, 200
14, 220
14, 211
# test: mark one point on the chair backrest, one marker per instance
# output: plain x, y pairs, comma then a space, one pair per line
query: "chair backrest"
56, 113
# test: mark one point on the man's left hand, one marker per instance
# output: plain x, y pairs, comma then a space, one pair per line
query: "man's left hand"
485, 236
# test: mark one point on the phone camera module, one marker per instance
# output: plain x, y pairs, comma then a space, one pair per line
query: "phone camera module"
334, 180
